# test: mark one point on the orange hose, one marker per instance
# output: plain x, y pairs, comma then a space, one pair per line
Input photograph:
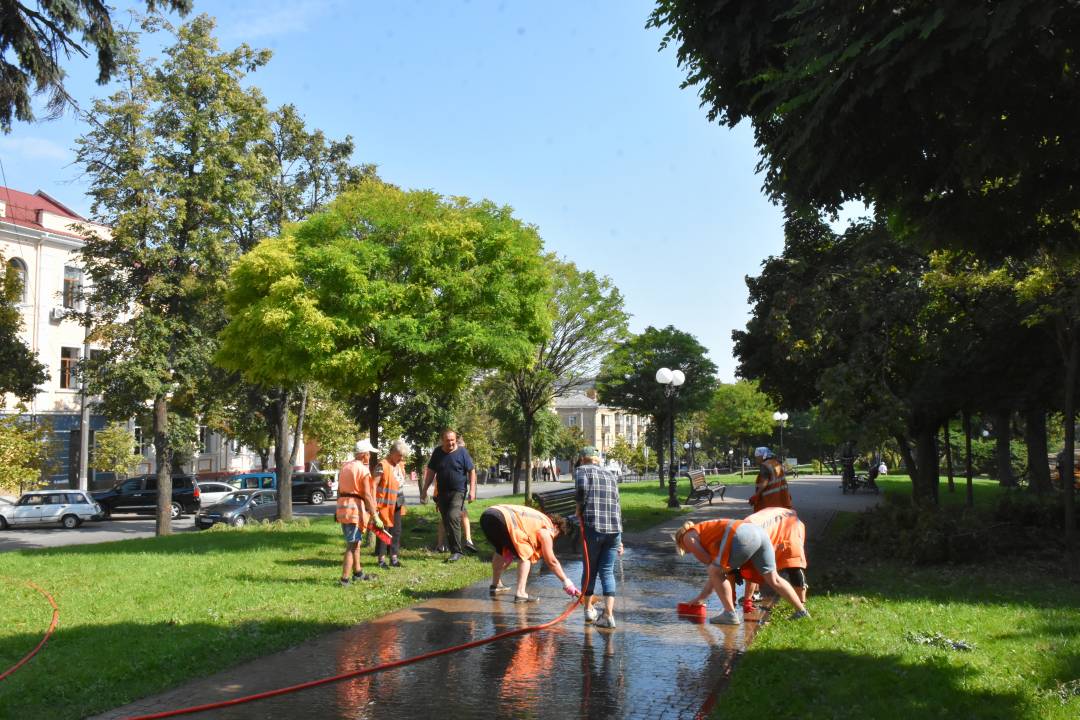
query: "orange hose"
45, 638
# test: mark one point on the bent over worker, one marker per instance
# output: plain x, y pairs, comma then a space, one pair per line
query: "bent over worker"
516, 531
355, 509
787, 533
770, 488
725, 546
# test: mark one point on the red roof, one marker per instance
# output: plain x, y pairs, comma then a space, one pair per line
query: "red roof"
22, 209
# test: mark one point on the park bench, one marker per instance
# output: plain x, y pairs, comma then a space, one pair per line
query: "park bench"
556, 502
702, 490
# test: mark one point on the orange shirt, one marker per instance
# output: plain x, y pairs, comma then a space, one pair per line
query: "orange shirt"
387, 488
524, 525
771, 487
787, 535
716, 536
354, 480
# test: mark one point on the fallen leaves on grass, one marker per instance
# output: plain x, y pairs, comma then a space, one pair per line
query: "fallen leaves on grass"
936, 639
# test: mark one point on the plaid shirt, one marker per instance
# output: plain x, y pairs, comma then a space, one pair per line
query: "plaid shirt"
598, 498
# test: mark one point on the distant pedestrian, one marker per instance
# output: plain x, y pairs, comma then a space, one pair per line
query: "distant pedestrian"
520, 532
390, 499
770, 488
356, 509
725, 546
456, 482
597, 494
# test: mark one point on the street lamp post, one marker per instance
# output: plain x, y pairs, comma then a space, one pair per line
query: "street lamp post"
781, 417
690, 446
671, 380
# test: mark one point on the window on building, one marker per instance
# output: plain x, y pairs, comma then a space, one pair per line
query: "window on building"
137, 431
72, 287
571, 421
69, 367
18, 268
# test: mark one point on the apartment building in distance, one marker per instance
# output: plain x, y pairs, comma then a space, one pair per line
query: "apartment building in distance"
600, 425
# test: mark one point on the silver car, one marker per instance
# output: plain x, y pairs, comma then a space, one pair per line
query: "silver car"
44, 507
240, 508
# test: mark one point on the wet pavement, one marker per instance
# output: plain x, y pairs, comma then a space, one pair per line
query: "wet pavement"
654, 665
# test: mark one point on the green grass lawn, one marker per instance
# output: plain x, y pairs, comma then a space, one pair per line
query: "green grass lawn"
858, 659
140, 616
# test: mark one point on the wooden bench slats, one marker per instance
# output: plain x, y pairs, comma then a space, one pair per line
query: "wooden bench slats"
701, 490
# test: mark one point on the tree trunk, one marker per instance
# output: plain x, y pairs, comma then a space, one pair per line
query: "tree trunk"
375, 408
264, 458
660, 464
948, 456
514, 467
925, 488
909, 461
967, 460
298, 429
1035, 439
281, 454
163, 466
1066, 468
1002, 451
528, 458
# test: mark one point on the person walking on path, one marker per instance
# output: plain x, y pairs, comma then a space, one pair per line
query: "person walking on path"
456, 475
724, 546
597, 495
390, 500
527, 534
787, 533
355, 509
770, 488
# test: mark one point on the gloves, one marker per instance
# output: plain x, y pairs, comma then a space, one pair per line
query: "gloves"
570, 588
379, 524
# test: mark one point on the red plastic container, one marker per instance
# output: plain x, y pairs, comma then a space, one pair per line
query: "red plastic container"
692, 610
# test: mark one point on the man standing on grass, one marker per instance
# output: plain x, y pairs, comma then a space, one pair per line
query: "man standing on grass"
456, 475
355, 488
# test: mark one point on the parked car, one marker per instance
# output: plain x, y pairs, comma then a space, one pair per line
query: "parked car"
331, 481
240, 508
310, 487
211, 492
139, 495
255, 481
70, 508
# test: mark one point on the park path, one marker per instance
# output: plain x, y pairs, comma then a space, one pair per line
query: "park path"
655, 665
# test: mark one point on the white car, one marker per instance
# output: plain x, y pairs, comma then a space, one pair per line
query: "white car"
211, 492
42, 507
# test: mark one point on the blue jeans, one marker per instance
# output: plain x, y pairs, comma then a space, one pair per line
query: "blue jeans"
603, 548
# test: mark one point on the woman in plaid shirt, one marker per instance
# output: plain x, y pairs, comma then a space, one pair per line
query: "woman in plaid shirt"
601, 521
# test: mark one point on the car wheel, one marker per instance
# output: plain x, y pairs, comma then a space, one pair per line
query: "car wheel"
3, 523
175, 511
317, 498
106, 512
70, 522
239, 521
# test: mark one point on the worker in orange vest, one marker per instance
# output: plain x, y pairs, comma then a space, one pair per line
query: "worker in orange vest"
725, 546
787, 533
356, 509
390, 501
770, 488
516, 531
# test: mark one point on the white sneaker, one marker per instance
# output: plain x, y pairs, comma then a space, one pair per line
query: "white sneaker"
591, 614
606, 622
728, 617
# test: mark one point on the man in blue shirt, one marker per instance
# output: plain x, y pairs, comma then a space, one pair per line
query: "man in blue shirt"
456, 475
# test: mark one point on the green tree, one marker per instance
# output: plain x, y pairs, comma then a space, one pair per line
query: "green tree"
24, 451
38, 37
20, 371
330, 425
170, 162
627, 377
386, 292
739, 411
587, 320
621, 452
114, 450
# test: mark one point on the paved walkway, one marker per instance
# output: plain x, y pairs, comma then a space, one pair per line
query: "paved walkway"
655, 665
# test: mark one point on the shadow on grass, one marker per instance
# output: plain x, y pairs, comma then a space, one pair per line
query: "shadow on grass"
195, 543
838, 684
85, 670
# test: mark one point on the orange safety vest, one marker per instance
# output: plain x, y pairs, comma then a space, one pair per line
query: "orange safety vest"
772, 487
353, 478
787, 535
716, 537
524, 524
387, 488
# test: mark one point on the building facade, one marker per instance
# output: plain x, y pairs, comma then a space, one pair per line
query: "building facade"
600, 425
38, 239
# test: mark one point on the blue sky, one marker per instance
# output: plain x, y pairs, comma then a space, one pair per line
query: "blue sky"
565, 111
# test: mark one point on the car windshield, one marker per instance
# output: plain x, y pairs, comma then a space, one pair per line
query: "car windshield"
235, 499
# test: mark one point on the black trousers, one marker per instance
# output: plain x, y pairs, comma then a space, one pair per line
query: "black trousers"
395, 537
450, 504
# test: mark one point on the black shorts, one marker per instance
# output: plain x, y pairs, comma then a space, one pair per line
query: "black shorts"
795, 576
495, 530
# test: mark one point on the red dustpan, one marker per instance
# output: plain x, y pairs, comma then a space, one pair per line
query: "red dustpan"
381, 534
691, 610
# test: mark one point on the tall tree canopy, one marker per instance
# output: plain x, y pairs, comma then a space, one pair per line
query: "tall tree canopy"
171, 166
388, 291
20, 370
627, 376
35, 38
961, 116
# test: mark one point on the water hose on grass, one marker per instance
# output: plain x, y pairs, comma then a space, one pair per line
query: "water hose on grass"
44, 639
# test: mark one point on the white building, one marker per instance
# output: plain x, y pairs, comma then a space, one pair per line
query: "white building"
600, 425
37, 239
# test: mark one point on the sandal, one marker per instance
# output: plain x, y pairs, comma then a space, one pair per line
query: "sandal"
496, 589
526, 599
